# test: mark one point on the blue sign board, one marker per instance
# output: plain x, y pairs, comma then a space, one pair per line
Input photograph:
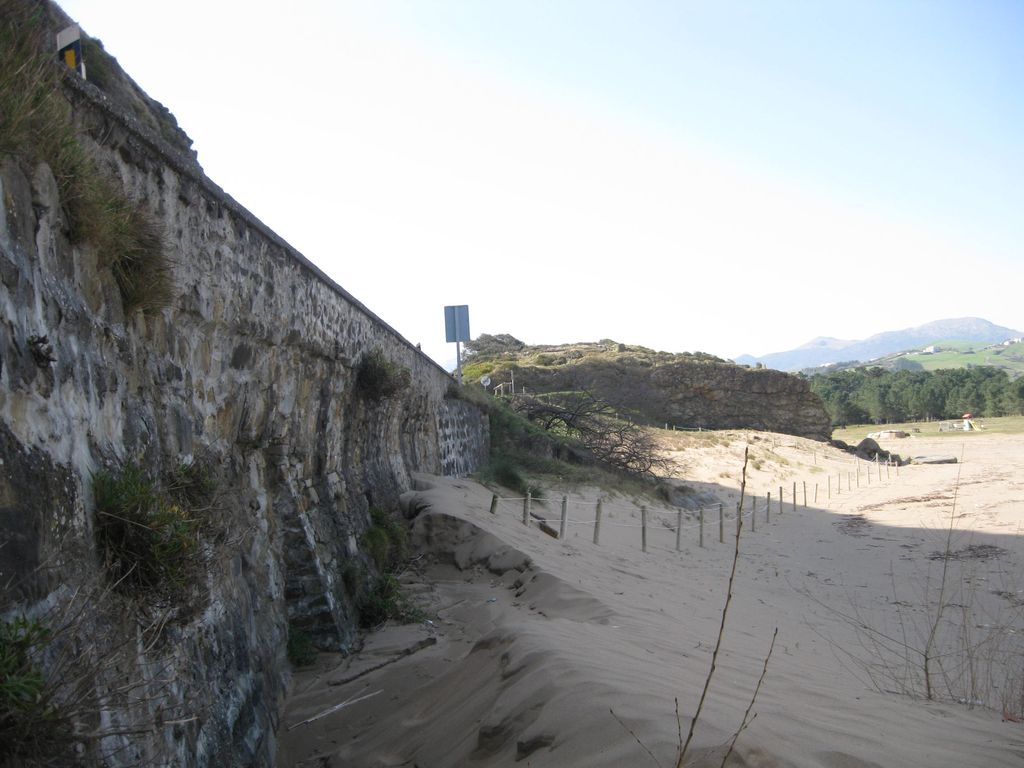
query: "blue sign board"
456, 323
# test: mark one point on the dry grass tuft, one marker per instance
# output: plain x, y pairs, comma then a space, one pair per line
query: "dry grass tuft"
36, 126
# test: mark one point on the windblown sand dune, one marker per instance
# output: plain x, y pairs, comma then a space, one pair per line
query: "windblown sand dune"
532, 642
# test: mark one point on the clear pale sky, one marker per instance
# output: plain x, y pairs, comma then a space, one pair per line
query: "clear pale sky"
729, 177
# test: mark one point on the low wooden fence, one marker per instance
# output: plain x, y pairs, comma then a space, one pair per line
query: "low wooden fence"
703, 524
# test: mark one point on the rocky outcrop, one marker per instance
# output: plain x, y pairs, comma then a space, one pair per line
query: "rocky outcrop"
251, 370
723, 396
674, 390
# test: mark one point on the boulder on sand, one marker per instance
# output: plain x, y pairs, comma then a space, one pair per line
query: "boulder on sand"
868, 450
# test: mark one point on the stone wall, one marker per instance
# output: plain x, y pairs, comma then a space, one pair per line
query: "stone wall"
251, 369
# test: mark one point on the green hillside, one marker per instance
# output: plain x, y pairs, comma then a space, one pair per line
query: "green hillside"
952, 354
965, 355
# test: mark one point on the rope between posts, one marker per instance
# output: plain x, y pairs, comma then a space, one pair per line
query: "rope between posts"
606, 507
657, 517
629, 510
591, 523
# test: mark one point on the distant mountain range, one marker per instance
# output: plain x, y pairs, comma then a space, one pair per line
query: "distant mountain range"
824, 350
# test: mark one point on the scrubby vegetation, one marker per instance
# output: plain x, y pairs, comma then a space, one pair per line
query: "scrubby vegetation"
387, 600
386, 542
148, 532
519, 448
301, 652
503, 350
33, 728
36, 126
378, 378
523, 455
128, 241
98, 62
500, 470
611, 437
66, 689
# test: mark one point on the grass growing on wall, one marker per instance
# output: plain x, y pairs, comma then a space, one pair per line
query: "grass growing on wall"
378, 378
301, 651
33, 728
148, 532
386, 542
36, 126
128, 241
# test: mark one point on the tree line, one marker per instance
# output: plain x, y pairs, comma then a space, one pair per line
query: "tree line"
875, 395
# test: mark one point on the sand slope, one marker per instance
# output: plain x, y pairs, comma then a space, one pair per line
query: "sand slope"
532, 641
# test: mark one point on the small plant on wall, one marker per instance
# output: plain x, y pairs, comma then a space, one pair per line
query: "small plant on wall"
36, 125
301, 651
32, 726
66, 688
378, 378
386, 542
148, 531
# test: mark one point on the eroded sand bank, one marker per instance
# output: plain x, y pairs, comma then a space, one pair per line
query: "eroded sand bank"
532, 641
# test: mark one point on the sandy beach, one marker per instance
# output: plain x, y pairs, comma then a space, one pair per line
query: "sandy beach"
545, 652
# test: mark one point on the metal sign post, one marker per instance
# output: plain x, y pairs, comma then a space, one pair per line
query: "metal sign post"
456, 329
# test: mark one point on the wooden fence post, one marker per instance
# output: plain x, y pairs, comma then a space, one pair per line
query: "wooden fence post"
701, 528
830, 486
780, 500
805, 494
815, 494
721, 523
527, 508
643, 528
739, 518
753, 514
561, 530
794, 495
494, 503
767, 508
597, 523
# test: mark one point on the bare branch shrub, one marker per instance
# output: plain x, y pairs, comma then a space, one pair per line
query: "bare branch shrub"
749, 714
79, 683
595, 424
